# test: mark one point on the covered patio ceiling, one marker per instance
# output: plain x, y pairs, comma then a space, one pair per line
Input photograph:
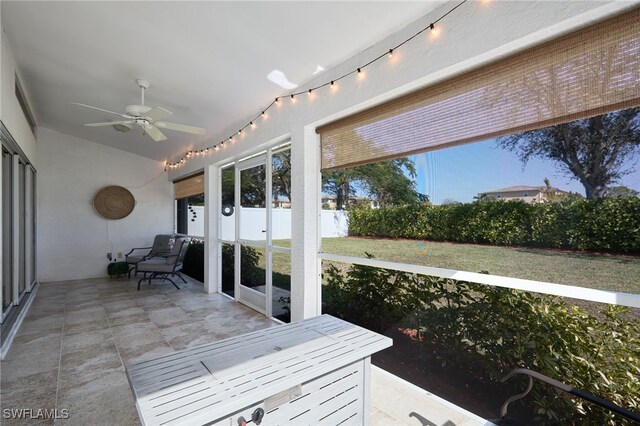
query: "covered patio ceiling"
207, 61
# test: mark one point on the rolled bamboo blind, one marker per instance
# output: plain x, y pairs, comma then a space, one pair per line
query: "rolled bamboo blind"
190, 186
589, 72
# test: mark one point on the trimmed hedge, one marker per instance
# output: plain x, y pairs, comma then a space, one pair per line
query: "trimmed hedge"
609, 224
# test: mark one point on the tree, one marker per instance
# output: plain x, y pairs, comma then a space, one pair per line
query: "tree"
338, 183
621, 191
596, 151
281, 175
390, 182
450, 202
253, 181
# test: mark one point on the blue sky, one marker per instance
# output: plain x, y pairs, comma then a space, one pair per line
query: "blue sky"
461, 172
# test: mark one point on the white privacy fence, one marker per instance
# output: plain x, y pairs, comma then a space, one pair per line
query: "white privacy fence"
335, 223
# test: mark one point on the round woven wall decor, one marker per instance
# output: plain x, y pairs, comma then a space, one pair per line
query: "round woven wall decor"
113, 202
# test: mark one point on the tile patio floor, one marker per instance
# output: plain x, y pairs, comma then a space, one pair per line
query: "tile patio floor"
71, 350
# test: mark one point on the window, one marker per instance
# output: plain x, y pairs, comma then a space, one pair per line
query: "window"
469, 287
190, 201
432, 275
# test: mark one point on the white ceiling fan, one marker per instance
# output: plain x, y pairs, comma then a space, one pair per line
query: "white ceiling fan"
150, 119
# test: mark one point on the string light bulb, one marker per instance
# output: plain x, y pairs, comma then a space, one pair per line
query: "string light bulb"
435, 32
390, 53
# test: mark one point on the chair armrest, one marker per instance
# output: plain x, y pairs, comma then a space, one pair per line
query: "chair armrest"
138, 248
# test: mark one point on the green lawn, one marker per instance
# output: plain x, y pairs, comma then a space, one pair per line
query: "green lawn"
601, 271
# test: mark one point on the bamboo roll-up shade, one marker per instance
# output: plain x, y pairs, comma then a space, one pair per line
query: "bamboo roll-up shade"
590, 72
190, 186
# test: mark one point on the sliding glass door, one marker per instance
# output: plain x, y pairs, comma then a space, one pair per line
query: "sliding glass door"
18, 229
7, 229
251, 200
255, 230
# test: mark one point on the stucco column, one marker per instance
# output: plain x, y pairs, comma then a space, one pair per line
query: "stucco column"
211, 208
305, 223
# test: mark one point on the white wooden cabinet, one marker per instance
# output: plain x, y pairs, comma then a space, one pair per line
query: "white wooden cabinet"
312, 372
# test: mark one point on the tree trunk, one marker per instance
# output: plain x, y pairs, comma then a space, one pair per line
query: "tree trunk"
347, 195
594, 191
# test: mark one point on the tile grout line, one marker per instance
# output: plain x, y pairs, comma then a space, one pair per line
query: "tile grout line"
158, 328
64, 320
111, 332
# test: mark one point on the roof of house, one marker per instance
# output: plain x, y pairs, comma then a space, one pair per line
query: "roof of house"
517, 188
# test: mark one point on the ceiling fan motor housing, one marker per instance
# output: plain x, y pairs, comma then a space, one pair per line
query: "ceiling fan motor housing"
137, 110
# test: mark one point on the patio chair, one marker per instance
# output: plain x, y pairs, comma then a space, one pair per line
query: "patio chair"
165, 266
162, 245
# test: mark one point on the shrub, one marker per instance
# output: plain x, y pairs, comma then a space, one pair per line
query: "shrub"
490, 330
610, 224
193, 264
249, 257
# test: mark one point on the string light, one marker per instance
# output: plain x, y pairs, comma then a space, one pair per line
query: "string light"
434, 32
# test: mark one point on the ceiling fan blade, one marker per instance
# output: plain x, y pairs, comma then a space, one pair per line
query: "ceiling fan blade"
158, 113
109, 123
154, 133
180, 127
103, 110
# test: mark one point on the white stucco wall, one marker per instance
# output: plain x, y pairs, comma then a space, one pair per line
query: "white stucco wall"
10, 111
475, 34
73, 239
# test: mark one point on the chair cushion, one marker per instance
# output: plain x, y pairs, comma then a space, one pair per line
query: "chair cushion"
134, 259
155, 264
162, 244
